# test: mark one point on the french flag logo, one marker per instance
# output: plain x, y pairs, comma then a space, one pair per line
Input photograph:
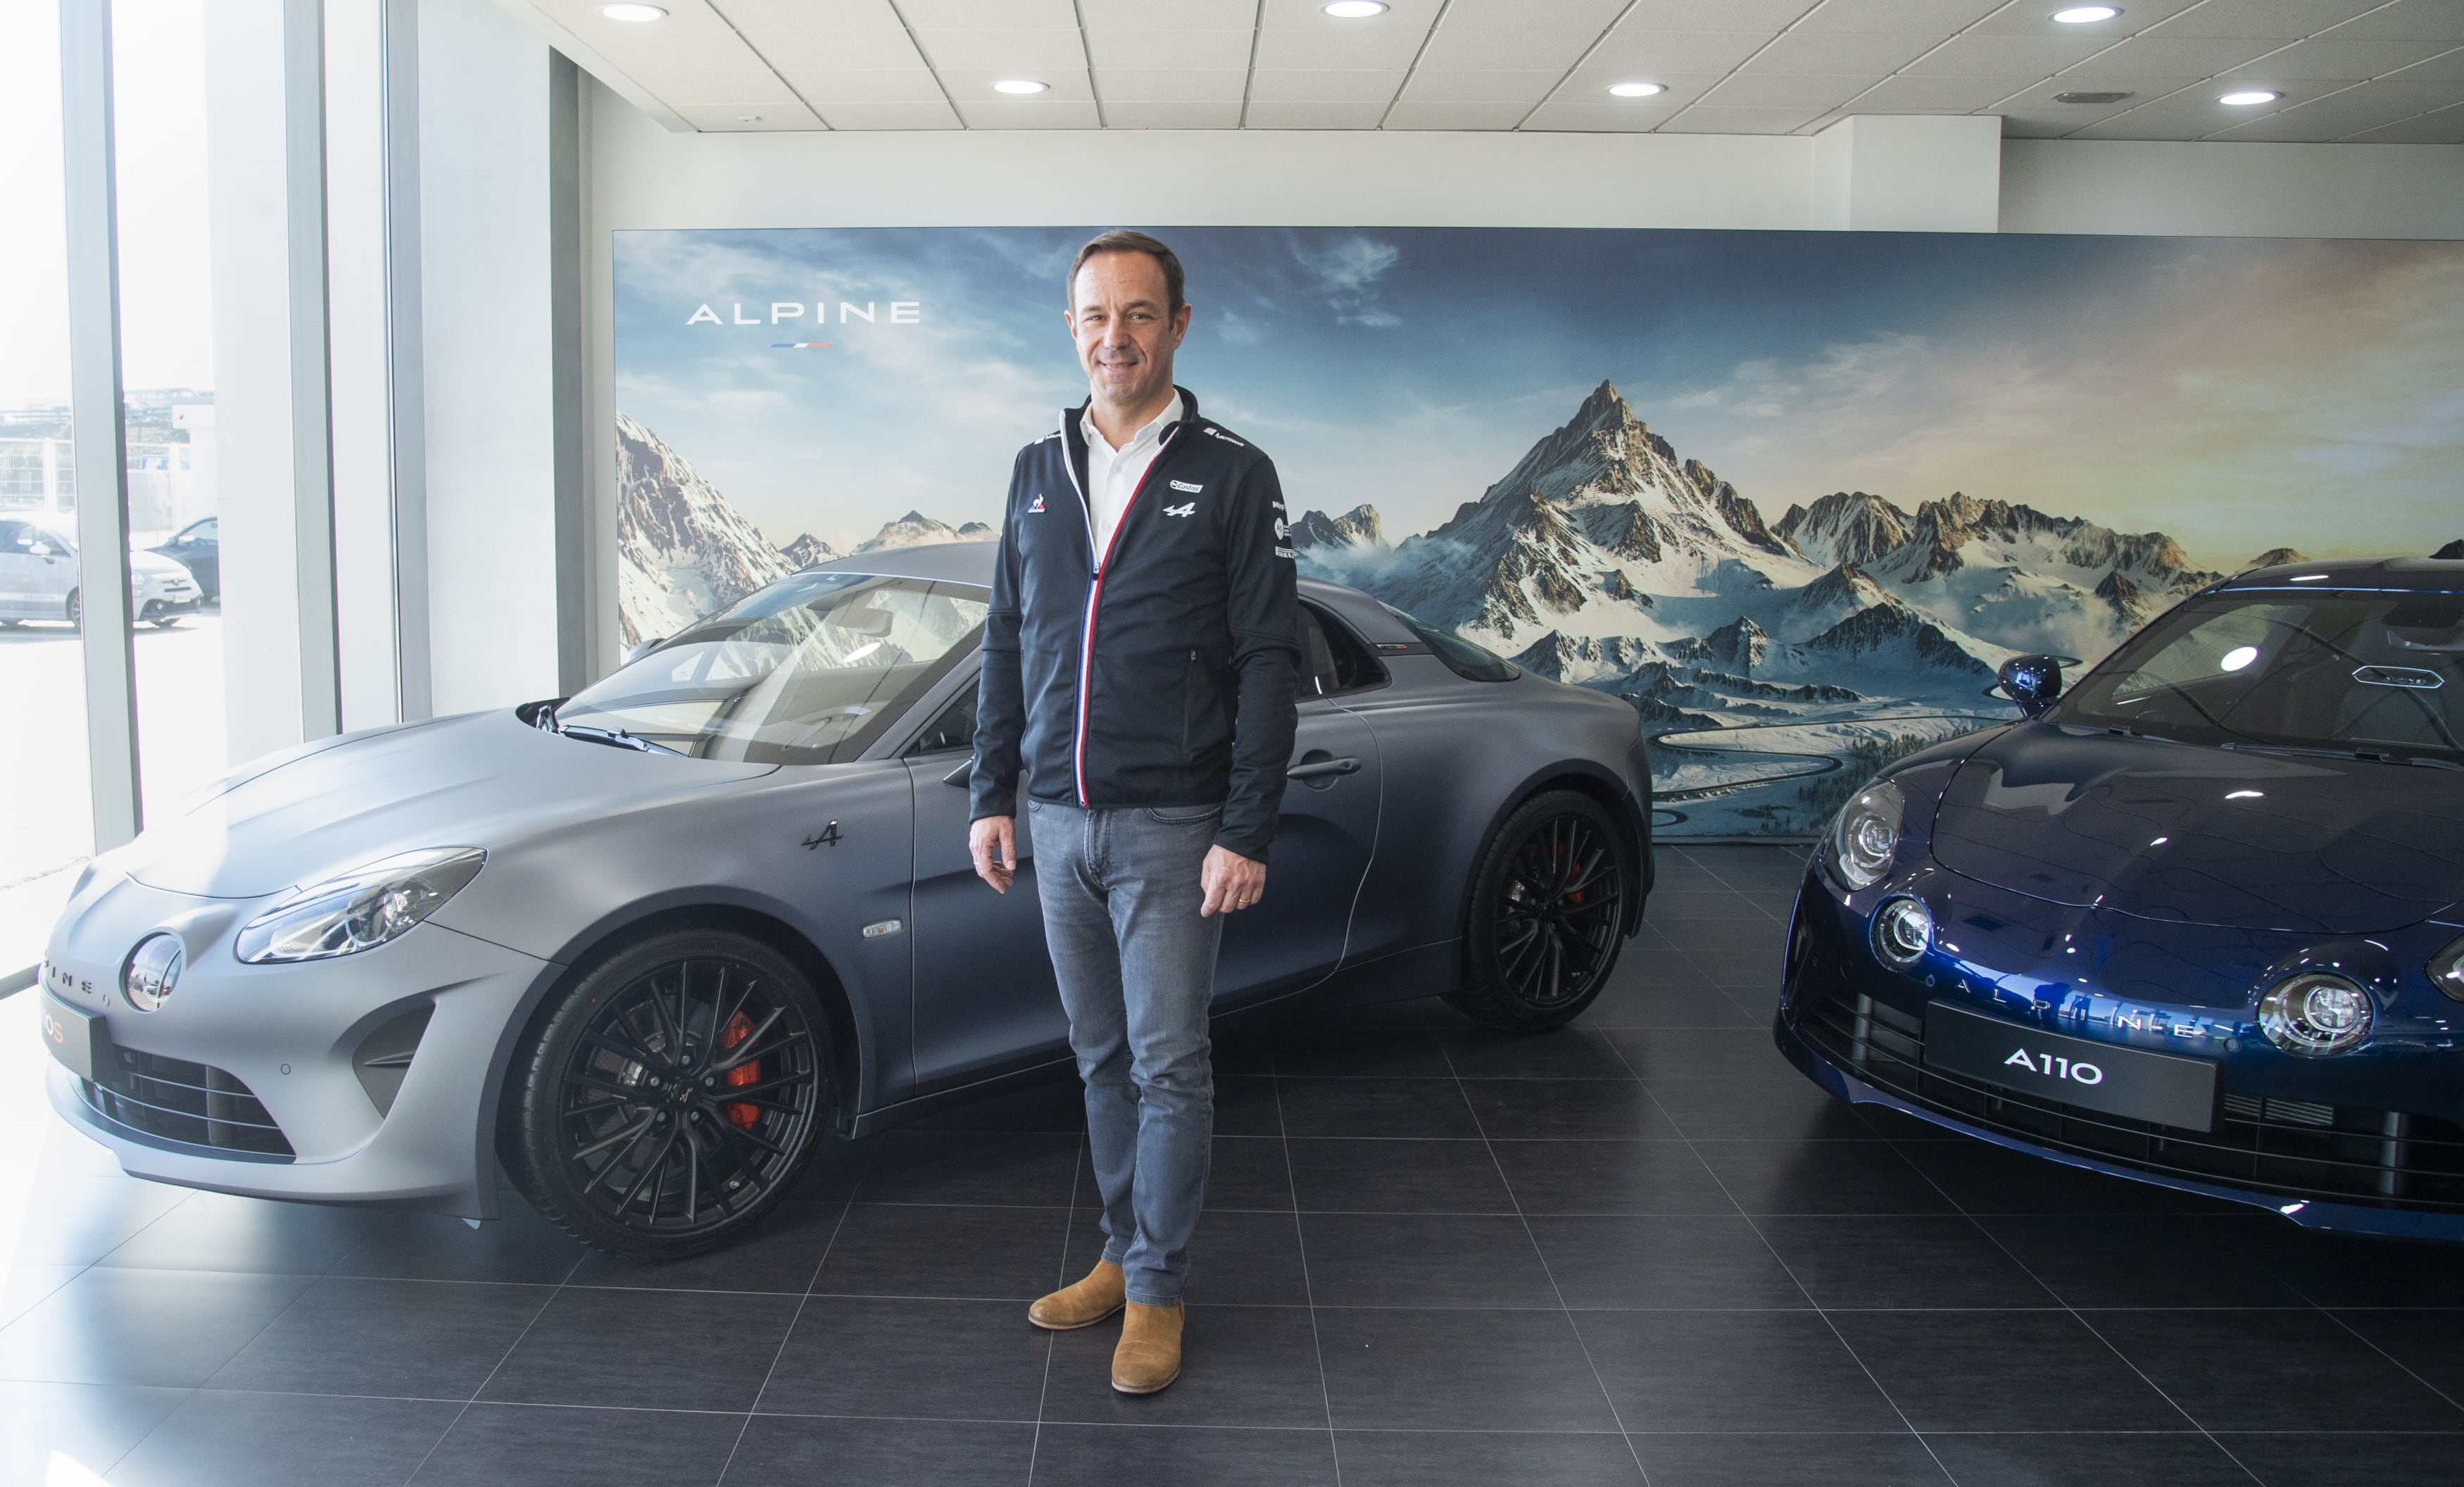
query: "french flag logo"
1034, 505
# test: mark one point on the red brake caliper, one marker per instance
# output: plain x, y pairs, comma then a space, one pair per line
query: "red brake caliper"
738, 1028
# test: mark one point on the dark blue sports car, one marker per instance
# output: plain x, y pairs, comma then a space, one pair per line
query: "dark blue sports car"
2198, 922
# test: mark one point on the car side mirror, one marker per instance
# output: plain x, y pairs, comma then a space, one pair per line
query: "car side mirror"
636, 651
2032, 682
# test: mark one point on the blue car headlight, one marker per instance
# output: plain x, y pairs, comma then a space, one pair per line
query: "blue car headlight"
359, 910
2314, 1013
1867, 834
2447, 970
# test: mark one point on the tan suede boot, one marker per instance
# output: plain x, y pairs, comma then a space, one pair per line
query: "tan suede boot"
1148, 1355
1082, 1304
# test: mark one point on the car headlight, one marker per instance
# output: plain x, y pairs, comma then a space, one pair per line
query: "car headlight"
359, 910
1867, 834
2314, 1013
153, 971
1903, 932
2447, 970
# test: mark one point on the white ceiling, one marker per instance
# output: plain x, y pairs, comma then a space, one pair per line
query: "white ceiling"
2381, 70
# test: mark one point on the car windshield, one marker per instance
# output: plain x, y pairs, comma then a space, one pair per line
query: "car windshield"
1465, 659
809, 671
2378, 674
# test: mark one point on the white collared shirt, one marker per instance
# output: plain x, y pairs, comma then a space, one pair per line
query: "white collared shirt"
1112, 475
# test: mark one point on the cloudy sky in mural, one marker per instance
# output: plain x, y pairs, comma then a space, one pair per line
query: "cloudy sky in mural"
2236, 393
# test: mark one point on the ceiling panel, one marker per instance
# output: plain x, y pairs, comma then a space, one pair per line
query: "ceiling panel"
1169, 49
1786, 91
2443, 127
1430, 86
1408, 115
1750, 66
934, 114
1170, 114
2282, 19
1116, 84
1873, 53
822, 87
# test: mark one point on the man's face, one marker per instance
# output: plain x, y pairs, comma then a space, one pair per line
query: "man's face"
1126, 334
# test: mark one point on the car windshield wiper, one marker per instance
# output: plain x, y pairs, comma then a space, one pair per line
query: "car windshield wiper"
616, 737
2365, 755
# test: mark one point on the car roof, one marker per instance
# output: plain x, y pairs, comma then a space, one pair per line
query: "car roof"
971, 563
2422, 575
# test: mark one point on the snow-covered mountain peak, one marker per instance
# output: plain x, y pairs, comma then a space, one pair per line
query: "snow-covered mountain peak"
915, 530
1358, 527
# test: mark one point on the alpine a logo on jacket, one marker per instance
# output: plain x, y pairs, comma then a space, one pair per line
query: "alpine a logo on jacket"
1160, 672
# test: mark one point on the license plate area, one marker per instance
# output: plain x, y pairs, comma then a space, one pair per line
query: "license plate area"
81, 1040
2164, 1089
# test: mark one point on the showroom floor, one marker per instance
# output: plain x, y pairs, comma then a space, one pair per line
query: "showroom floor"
1644, 1249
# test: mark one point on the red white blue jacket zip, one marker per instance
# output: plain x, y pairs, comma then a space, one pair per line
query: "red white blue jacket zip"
1160, 672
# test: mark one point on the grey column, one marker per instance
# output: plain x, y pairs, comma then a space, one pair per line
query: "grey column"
312, 397
101, 434
564, 335
405, 370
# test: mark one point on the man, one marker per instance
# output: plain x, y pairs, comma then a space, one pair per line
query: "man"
1140, 667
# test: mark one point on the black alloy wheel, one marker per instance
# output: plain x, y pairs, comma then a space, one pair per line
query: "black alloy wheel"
674, 1095
1547, 916
74, 611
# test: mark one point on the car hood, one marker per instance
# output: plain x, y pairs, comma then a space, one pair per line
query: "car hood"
150, 561
478, 780
2236, 838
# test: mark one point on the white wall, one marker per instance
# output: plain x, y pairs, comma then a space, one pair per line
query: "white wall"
2233, 190
490, 474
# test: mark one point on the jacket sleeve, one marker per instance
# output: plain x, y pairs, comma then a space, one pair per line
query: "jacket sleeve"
1265, 656
1000, 705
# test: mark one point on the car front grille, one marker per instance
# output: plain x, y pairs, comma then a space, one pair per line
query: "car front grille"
183, 1103
2297, 1148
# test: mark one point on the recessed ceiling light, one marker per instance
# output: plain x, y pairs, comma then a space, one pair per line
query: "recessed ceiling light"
1353, 9
638, 15
2084, 15
2089, 97
748, 119
1018, 85
2254, 95
1636, 90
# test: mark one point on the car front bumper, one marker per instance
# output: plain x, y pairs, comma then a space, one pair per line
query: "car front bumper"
2370, 1143
295, 1040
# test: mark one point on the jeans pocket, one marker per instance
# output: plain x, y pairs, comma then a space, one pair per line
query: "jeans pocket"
1184, 815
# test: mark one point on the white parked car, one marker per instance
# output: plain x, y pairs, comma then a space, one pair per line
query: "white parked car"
38, 578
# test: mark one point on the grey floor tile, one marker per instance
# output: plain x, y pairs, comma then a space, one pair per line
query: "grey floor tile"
1351, 1051
1723, 1053
1424, 1259
645, 1350
1034, 1169
1459, 1370
1560, 1109
1245, 1105
1477, 1458
779, 1449
521, 1248
286, 1440
1610, 1177
161, 1327
22, 1285
1566, 1054
1352, 1176
2232, 1370
2172, 1260
1789, 1461
1721, 1371
85, 1216
2349, 1458
214, 1231
440, 1339
1243, 1172
87, 1426
1819, 1177
1240, 1365
944, 1250
1236, 1258
948, 1360
1988, 1370
2430, 1343
1056, 1106
1406, 1108
1682, 1260
1095, 1454
2076, 1458
780, 1255
541, 1445
1794, 1109
1901, 1262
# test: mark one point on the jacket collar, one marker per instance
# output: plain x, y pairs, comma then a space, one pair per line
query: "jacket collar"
1073, 432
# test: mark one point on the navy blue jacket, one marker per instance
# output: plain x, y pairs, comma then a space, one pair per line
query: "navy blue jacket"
1162, 673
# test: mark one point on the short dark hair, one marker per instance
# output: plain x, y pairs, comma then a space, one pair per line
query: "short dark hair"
1124, 240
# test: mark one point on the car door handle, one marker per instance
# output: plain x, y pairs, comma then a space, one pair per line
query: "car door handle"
1320, 768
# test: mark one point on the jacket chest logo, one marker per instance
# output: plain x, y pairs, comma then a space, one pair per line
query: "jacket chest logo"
1189, 510
1185, 485
1035, 506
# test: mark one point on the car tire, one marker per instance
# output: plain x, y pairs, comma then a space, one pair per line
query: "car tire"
640, 1133
75, 610
1546, 915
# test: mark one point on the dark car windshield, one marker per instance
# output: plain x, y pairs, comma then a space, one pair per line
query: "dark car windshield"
809, 671
2365, 673
1464, 659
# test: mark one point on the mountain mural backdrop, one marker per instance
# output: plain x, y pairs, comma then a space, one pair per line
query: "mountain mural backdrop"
1775, 665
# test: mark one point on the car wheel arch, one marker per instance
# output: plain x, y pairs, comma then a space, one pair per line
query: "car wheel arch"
851, 1047
1583, 777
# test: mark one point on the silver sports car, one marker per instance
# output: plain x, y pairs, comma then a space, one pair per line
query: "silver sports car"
650, 944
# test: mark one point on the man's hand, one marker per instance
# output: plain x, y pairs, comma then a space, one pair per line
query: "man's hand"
1231, 880
993, 842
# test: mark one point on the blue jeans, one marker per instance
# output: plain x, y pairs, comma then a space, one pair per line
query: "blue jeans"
1136, 967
